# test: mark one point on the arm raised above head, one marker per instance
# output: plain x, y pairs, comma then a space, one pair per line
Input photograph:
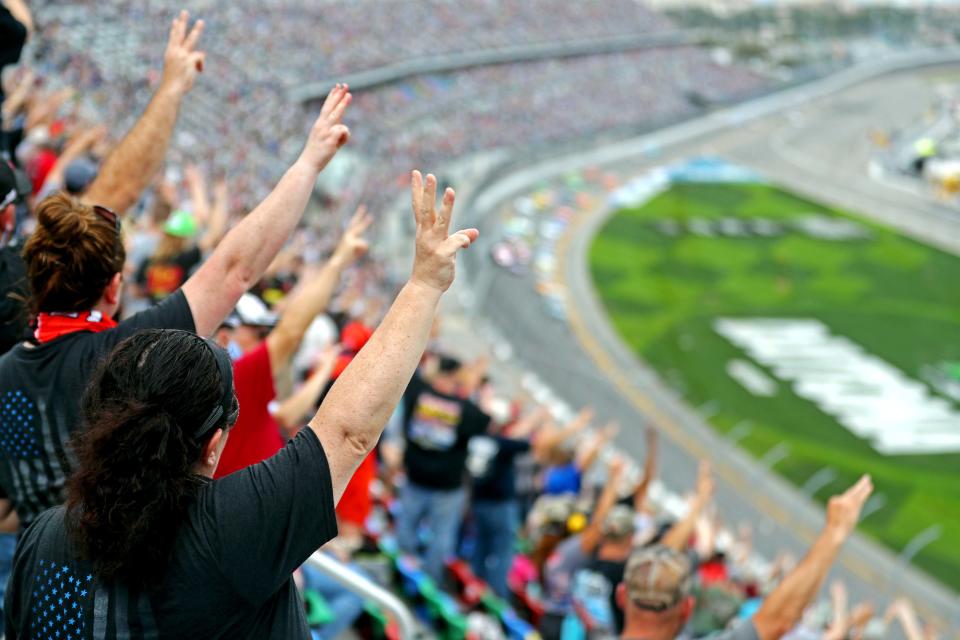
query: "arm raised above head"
314, 294
130, 167
240, 259
353, 415
783, 608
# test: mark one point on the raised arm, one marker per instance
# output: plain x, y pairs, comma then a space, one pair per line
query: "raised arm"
589, 453
292, 411
219, 218
592, 534
783, 608
79, 144
679, 534
649, 470
547, 439
902, 610
15, 101
838, 604
240, 259
199, 200
526, 426
131, 166
315, 294
360, 402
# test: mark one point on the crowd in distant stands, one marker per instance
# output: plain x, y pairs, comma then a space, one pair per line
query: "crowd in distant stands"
165, 349
259, 51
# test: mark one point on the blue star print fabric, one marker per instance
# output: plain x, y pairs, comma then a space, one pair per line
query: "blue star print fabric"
58, 602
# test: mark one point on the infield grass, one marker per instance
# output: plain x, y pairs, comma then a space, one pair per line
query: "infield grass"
663, 285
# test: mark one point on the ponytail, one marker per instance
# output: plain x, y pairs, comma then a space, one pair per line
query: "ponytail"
137, 454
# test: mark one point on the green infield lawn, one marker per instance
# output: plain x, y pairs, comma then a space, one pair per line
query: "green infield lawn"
701, 251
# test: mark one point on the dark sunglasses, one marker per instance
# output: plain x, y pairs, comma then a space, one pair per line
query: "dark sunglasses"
110, 216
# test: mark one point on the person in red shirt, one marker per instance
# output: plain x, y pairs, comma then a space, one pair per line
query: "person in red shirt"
257, 434
356, 504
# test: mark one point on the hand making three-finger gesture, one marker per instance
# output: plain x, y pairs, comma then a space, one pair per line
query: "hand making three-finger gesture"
435, 262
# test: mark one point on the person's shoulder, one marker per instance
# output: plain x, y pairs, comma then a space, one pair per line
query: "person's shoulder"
48, 524
173, 312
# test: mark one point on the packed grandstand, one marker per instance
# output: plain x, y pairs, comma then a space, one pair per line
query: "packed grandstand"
490, 509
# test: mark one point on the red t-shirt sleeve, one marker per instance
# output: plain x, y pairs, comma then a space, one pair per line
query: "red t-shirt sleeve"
256, 436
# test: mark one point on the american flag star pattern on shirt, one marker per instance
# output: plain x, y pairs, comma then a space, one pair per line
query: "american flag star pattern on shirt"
18, 426
57, 605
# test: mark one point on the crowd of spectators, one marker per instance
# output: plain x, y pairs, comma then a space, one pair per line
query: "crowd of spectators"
258, 51
125, 240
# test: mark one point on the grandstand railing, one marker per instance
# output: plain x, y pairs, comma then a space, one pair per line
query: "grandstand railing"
368, 590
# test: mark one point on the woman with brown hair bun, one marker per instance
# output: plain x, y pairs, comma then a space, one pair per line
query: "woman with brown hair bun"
147, 546
74, 264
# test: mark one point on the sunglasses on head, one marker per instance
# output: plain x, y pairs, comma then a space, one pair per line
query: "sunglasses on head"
110, 216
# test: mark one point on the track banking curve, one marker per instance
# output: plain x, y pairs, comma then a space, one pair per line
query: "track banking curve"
817, 145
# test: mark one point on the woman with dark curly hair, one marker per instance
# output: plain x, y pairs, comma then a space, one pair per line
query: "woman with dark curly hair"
74, 264
147, 545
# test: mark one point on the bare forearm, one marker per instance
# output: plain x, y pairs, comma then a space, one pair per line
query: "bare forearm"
131, 166
15, 101
240, 259
589, 456
679, 534
526, 425
649, 471
783, 608
310, 300
591, 536
292, 411
360, 403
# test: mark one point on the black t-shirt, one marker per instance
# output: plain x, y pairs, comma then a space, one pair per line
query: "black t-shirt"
160, 278
437, 428
612, 571
13, 35
491, 463
14, 291
40, 391
230, 573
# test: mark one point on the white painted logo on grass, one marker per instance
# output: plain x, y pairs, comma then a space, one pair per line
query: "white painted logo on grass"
867, 395
751, 378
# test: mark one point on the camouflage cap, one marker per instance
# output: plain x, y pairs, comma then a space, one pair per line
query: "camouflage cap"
657, 578
619, 522
551, 510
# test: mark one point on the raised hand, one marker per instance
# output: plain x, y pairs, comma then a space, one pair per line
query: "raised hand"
705, 484
435, 263
327, 359
181, 61
352, 244
616, 467
843, 511
609, 431
328, 133
650, 436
